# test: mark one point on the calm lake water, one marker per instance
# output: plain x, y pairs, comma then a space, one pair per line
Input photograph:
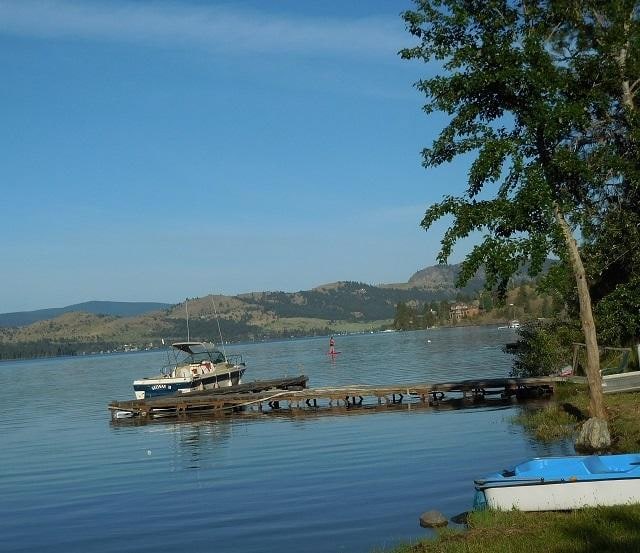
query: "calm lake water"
73, 481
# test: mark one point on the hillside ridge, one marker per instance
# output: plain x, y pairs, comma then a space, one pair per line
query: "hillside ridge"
97, 307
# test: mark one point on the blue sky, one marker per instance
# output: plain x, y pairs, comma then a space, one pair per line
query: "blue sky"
153, 151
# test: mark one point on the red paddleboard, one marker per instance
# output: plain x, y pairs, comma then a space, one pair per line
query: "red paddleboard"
334, 353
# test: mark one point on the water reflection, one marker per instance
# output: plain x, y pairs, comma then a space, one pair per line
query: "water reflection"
194, 443
201, 440
200, 445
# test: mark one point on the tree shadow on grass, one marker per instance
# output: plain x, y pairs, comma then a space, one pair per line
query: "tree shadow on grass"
574, 411
616, 530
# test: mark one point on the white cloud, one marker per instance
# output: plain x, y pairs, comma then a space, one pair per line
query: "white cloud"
220, 28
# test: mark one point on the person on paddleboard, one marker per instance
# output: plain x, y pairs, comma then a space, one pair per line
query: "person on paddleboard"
332, 346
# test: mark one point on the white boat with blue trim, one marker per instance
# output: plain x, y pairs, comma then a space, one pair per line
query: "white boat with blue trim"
562, 483
201, 367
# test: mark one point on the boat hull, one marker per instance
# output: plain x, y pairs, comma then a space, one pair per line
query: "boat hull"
165, 386
563, 496
563, 483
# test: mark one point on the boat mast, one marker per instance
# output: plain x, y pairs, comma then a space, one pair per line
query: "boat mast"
186, 308
215, 312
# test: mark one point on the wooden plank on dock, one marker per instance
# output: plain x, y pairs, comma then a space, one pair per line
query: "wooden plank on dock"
214, 398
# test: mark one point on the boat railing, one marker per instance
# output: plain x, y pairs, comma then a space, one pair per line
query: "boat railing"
168, 369
235, 359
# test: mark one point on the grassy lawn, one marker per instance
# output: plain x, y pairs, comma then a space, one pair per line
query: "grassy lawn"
598, 530
570, 406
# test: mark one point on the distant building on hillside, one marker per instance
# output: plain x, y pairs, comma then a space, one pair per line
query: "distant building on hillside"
463, 311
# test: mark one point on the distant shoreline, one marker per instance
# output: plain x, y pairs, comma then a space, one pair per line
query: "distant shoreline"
118, 351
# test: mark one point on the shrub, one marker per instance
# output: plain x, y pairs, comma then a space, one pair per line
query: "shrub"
544, 347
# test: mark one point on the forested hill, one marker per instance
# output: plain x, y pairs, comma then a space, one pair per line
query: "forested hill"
116, 308
343, 301
443, 278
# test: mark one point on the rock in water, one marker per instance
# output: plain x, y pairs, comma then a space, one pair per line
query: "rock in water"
462, 518
433, 519
594, 435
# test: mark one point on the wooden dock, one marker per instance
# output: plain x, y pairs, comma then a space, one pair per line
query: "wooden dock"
293, 394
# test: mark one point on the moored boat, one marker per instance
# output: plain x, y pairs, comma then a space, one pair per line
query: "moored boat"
562, 483
202, 367
515, 323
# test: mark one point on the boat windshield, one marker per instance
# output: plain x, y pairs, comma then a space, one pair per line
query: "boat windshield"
213, 356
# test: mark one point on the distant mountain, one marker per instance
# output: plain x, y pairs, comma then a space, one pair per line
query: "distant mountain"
443, 277
114, 308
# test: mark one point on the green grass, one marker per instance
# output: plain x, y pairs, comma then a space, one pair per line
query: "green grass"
577, 394
570, 406
624, 421
596, 530
550, 424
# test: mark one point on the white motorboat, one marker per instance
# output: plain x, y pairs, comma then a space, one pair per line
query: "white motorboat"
515, 323
201, 367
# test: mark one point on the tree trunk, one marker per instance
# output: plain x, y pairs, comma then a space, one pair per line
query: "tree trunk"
595, 434
621, 59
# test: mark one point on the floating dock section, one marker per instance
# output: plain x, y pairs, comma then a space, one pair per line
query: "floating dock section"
293, 393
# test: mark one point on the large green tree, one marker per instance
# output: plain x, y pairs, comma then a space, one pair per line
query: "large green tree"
539, 93
603, 40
